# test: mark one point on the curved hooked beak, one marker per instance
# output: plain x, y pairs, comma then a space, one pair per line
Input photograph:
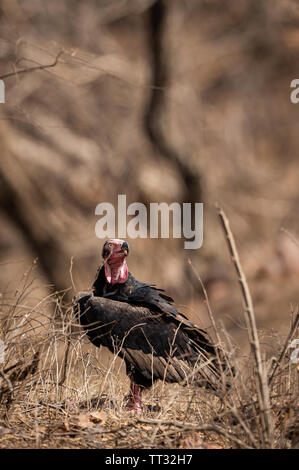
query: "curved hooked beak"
124, 252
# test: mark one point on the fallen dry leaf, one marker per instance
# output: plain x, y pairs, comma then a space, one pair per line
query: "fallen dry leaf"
209, 445
98, 416
83, 420
192, 442
87, 419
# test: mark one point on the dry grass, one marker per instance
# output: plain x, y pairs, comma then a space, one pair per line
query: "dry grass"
58, 391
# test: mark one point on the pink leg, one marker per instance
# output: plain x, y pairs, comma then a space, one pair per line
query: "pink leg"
134, 404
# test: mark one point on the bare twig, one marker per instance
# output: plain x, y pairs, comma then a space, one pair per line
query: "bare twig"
203, 427
260, 376
32, 69
71, 273
65, 361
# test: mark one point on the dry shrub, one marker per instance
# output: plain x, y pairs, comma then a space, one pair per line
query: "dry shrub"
57, 390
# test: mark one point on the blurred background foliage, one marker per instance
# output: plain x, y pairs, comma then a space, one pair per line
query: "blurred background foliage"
174, 100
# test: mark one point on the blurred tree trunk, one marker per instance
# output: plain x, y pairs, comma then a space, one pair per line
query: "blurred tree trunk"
26, 207
160, 80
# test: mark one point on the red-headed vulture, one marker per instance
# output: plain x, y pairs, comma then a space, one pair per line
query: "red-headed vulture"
140, 323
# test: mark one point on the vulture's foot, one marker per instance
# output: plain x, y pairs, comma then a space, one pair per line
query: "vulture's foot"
134, 404
135, 409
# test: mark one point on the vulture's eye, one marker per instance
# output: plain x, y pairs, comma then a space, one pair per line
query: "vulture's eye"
106, 249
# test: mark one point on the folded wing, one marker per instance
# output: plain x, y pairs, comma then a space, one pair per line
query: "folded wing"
153, 338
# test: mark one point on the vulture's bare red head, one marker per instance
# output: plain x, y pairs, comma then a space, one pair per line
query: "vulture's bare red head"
114, 254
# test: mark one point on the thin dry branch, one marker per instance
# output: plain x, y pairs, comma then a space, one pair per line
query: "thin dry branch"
32, 69
260, 375
203, 427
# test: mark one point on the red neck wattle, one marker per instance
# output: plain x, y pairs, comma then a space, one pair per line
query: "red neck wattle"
116, 273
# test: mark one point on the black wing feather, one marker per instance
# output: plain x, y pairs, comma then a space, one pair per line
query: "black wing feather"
156, 349
149, 296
